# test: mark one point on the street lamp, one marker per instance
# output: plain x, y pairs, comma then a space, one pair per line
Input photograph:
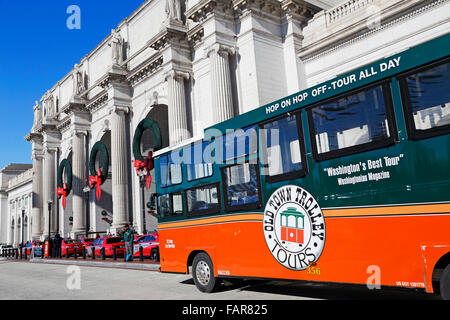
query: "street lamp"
87, 191
142, 183
50, 203
23, 217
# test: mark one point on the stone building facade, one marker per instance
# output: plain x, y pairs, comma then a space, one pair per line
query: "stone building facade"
188, 65
15, 204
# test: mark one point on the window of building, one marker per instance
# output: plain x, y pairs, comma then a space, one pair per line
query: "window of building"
426, 99
170, 172
198, 168
203, 200
241, 187
353, 123
170, 205
283, 148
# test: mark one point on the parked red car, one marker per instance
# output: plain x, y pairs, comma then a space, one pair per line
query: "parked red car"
149, 244
29, 246
108, 243
87, 241
69, 245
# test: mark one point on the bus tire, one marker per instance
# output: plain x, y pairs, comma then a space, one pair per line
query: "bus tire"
203, 273
445, 283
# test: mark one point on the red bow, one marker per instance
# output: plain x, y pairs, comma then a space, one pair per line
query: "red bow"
96, 180
147, 165
63, 192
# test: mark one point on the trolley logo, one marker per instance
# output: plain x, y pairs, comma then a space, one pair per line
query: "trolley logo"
294, 228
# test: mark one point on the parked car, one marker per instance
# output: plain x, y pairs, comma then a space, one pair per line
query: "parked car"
149, 244
68, 245
87, 241
108, 243
30, 246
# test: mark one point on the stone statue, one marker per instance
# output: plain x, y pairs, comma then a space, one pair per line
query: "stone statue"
116, 45
173, 9
37, 113
50, 106
78, 81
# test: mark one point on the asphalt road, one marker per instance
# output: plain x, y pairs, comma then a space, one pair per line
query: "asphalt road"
27, 281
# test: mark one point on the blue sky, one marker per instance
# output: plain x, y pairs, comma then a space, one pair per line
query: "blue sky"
36, 50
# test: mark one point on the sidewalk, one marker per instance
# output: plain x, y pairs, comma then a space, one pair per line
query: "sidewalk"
107, 263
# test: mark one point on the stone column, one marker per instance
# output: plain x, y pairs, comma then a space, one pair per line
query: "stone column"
50, 189
79, 182
222, 95
37, 203
119, 167
178, 129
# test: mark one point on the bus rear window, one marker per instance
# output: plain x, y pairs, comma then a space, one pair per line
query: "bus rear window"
426, 98
170, 172
203, 200
353, 123
170, 205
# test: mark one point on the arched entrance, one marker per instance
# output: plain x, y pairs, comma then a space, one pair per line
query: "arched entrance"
159, 115
102, 210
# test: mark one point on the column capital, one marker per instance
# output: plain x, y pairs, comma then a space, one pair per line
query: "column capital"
177, 74
219, 48
119, 109
50, 150
80, 132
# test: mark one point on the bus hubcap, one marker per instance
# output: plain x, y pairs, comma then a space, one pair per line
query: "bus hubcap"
203, 273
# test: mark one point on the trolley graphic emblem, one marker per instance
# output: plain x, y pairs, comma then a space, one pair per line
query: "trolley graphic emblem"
294, 228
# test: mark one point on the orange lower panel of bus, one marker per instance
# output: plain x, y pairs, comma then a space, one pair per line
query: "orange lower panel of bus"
385, 249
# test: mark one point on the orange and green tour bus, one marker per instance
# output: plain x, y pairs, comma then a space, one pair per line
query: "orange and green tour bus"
345, 182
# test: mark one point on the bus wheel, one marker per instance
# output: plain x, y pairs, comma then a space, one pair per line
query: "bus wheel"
203, 272
445, 283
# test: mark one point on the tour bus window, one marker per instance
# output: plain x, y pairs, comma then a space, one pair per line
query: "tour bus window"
426, 99
170, 172
203, 200
283, 148
197, 168
353, 123
240, 143
241, 187
170, 205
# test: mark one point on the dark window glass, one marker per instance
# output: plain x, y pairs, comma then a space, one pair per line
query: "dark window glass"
349, 122
170, 205
114, 240
198, 168
149, 238
240, 143
283, 149
169, 171
203, 200
241, 187
100, 242
428, 99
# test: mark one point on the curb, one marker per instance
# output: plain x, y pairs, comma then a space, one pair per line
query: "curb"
118, 265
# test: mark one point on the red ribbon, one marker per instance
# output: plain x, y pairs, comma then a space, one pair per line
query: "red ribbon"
63, 192
97, 181
148, 165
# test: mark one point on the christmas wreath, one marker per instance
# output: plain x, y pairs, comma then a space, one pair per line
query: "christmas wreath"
143, 165
64, 189
98, 176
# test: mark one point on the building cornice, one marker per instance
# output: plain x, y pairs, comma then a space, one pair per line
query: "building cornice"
145, 69
389, 17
